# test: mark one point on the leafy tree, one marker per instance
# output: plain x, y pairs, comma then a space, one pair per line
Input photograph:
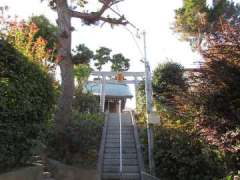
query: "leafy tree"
119, 63
102, 57
65, 14
168, 76
46, 30
82, 55
21, 36
218, 88
196, 18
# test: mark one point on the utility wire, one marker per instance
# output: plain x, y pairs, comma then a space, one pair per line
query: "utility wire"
118, 13
135, 41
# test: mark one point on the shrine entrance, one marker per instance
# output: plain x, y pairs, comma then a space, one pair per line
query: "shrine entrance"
111, 87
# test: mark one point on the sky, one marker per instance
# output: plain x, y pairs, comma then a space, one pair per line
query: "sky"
153, 16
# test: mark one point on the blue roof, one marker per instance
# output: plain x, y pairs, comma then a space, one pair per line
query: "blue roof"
111, 89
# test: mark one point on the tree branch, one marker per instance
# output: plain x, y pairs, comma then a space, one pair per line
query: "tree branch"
91, 18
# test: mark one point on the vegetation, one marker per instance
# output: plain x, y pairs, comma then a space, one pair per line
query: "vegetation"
46, 30
180, 146
86, 103
82, 55
21, 36
26, 105
119, 63
217, 94
168, 75
102, 57
63, 114
181, 155
81, 137
196, 18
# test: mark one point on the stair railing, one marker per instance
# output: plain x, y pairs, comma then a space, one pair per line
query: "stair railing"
120, 138
138, 146
101, 151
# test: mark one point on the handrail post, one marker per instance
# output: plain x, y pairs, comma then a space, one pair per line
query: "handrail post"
120, 137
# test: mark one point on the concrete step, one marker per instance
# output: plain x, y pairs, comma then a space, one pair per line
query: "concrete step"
125, 169
117, 127
124, 136
117, 140
116, 145
117, 156
118, 132
117, 162
117, 150
116, 176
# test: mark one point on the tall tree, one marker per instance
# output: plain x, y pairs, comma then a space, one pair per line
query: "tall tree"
65, 14
196, 18
102, 57
119, 63
218, 89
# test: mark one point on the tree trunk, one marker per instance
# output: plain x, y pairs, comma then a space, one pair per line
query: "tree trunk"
63, 114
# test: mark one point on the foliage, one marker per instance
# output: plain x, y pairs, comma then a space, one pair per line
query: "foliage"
179, 152
141, 98
46, 30
119, 63
21, 36
82, 55
191, 17
167, 76
218, 89
180, 155
196, 18
170, 92
80, 141
86, 103
26, 105
81, 73
102, 56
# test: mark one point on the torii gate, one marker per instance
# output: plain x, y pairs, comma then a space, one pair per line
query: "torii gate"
103, 80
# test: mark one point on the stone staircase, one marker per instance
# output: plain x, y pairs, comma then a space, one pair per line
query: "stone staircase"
110, 167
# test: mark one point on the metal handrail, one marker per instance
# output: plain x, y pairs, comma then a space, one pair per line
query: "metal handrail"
120, 138
138, 146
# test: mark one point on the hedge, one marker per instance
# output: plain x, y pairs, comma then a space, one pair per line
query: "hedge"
26, 103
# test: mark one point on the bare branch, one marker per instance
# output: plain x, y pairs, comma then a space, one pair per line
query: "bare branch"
93, 17
121, 20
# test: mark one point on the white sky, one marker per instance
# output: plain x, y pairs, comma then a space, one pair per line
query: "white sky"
154, 16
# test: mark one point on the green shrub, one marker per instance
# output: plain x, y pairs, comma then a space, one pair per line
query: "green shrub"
182, 156
79, 144
26, 104
86, 103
